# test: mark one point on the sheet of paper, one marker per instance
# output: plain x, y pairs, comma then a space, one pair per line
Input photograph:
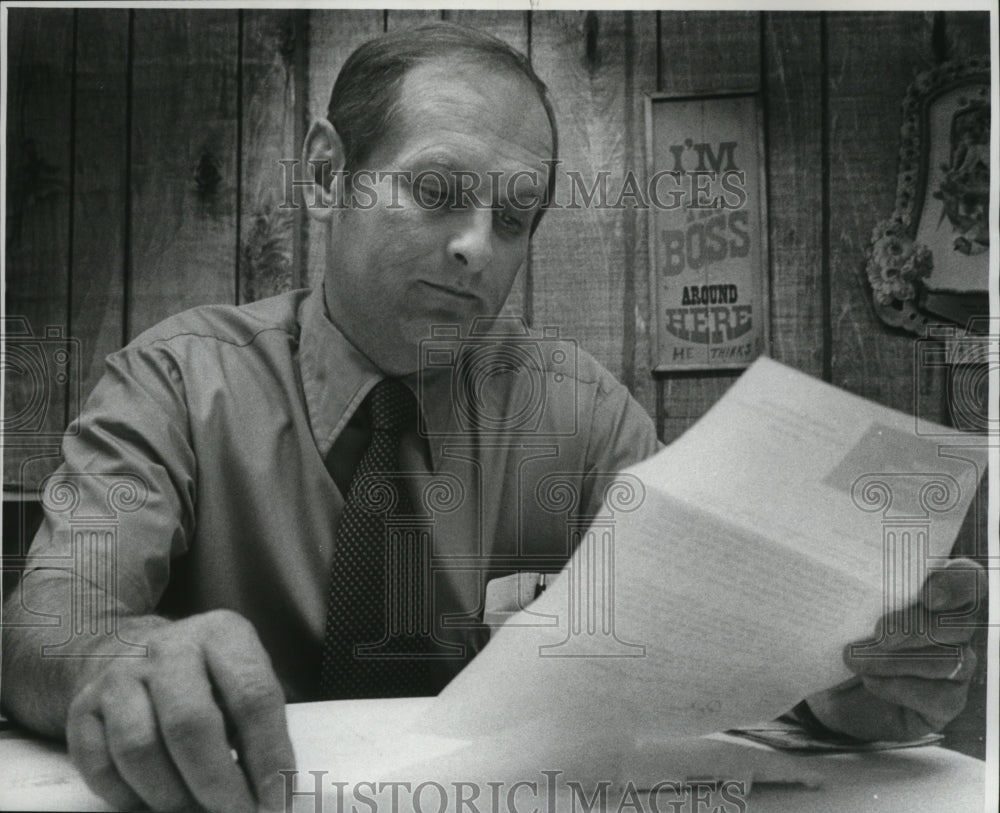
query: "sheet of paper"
382, 741
772, 534
351, 755
37, 775
365, 749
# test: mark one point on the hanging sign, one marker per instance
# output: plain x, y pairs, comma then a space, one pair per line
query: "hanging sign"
707, 234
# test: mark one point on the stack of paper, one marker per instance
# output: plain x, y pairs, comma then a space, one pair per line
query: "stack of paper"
728, 572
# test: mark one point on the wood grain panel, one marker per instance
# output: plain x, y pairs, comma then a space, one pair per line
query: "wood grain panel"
512, 28
641, 46
269, 136
184, 146
703, 52
867, 357
578, 266
396, 18
100, 191
709, 51
967, 33
39, 190
333, 35
794, 118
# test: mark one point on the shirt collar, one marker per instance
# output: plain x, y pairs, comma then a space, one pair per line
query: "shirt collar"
337, 376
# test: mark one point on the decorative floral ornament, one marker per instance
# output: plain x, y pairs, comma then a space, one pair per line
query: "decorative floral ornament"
896, 262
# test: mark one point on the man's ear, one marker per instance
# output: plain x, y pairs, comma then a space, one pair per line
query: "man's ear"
323, 159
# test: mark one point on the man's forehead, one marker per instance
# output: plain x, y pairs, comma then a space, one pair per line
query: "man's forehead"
473, 112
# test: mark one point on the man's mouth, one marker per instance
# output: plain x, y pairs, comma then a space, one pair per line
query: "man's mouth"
458, 293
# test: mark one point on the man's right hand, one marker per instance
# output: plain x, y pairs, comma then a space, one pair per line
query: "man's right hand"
161, 730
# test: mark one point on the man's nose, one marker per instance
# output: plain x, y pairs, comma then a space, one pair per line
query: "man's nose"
471, 244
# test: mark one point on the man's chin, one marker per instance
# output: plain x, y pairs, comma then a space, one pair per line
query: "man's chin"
399, 365
419, 337
441, 322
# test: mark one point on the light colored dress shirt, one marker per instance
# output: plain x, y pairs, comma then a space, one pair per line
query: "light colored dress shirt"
195, 477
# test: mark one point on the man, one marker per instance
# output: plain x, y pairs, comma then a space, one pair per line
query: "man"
233, 443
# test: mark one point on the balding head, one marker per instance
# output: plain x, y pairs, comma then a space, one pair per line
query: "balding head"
365, 102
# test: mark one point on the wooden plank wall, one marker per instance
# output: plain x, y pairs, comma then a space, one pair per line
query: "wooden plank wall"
37, 273
143, 175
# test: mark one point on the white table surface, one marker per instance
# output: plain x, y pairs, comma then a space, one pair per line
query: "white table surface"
363, 743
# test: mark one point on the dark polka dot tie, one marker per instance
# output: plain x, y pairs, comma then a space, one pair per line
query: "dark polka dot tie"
378, 634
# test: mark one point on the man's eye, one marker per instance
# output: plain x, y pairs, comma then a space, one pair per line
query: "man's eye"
432, 194
510, 222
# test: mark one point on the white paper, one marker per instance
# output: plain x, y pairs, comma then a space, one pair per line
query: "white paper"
772, 534
37, 775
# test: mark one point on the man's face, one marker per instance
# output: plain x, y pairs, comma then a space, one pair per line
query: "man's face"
415, 258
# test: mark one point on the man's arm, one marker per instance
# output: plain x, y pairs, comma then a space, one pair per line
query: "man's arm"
153, 712
44, 663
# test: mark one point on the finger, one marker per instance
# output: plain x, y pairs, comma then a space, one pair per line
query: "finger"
255, 706
194, 733
960, 585
930, 663
909, 628
852, 709
916, 627
88, 749
139, 753
955, 629
936, 702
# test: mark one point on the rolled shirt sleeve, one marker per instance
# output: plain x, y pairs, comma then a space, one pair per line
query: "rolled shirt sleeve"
121, 506
622, 434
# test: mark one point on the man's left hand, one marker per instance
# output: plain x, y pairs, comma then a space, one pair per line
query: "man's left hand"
913, 677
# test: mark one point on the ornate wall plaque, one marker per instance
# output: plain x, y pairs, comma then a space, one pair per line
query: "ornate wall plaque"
930, 259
